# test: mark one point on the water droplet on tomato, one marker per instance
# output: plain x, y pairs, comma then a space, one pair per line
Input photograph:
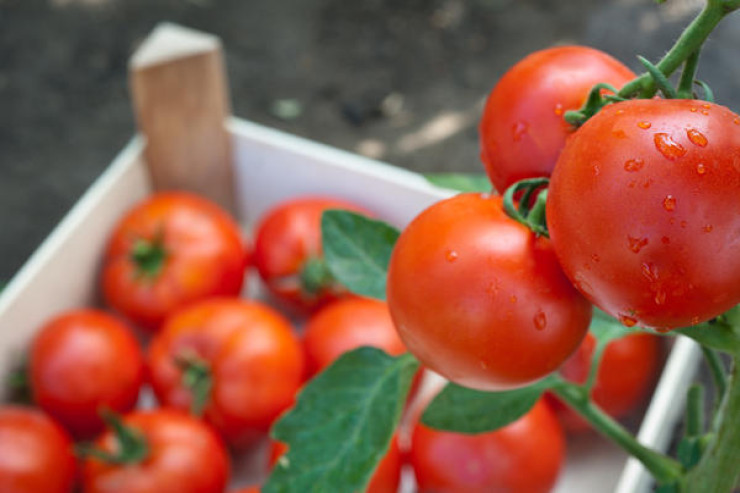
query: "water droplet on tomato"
694, 110
627, 321
696, 137
660, 297
620, 134
636, 244
512, 299
669, 148
634, 164
558, 109
595, 257
451, 255
540, 320
708, 228
706, 106
644, 125
519, 130
701, 168
736, 121
694, 320
620, 112
650, 272
669, 203
704, 112
662, 330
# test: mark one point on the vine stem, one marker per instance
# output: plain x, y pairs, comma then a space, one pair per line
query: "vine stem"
662, 467
718, 469
689, 42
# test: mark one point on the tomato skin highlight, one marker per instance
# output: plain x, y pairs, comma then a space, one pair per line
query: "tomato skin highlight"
255, 360
524, 456
522, 130
83, 361
203, 255
481, 300
627, 372
642, 211
36, 453
184, 455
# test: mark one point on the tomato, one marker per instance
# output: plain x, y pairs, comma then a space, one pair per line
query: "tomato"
345, 325
386, 477
288, 253
181, 454
36, 453
170, 250
524, 456
642, 211
628, 368
480, 299
522, 130
249, 489
83, 361
248, 351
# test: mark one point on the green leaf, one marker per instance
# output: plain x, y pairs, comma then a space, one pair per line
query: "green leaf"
464, 410
357, 250
462, 182
342, 424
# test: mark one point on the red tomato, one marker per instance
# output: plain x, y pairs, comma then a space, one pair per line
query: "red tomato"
170, 250
626, 374
386, 477
287, 240
525, 456
522, 130
345, 325
81, 362
480, 299
642, 211
250, 489
182, 454
249, 352
36, 453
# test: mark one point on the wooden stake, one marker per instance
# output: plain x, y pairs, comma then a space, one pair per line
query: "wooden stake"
181, 103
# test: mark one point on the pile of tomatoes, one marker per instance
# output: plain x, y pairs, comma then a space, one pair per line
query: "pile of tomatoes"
641, 213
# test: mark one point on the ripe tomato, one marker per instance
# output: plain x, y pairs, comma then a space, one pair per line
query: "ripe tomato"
172, 249
524, 456
248, 351
36, 453
626, 373
249, 489
386, 477
182, 454
347, 324
287, 247
81, 362
642, 211
480, 299
522, 130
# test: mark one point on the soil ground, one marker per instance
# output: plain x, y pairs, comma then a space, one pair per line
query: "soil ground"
399, 80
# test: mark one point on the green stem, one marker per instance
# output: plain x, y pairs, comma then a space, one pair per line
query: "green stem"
718, 470
149, 256
717, 370
719, 336
534, 217
695, 411
196, 377
131, 445
315, 276
662, 467
686, 84
689, 42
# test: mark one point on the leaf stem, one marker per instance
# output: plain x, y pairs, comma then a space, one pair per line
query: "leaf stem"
717, 370
662, 467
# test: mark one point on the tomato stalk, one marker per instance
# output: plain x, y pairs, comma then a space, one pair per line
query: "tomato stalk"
131, 446
662, 467
148, 256
196, 377
529, 211
315, 275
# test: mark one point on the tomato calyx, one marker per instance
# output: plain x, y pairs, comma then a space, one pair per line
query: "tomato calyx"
198, 379
597, 99
131, 445
315, 276
530, 209
149, 256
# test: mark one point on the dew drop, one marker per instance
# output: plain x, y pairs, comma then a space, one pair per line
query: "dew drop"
662, 330
694, 320
669, 148
519, 130
540, 320
558, 109
650, 272
694, 110
706, 106
595, 257
620, 134
696, 137
701, 168
627, 321
669, 203
512, 299
634, 164
620, 112
644, 125
660, 297
704, 112
736, 121
451, 255
708, 228
636, 244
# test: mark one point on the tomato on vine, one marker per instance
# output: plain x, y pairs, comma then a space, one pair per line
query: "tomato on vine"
522, 130
643, 211
480, 299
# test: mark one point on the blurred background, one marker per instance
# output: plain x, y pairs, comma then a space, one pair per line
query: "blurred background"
402, 81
